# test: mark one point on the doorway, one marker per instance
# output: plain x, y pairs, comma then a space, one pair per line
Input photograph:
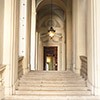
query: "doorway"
50, 58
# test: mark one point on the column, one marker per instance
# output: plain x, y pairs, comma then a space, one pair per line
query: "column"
40, 53
24, 33
36, 49
10, 45
68, 36
79, 33
28, 35
1, 29
22, 29
74, 13
33, 35
93, 46
63, 55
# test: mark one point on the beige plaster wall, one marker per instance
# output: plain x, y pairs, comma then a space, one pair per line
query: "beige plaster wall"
1, 28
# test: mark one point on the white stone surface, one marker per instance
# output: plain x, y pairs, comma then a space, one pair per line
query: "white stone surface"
79, 32
1, 29
51, 83
22, 27
93, 46
33, 36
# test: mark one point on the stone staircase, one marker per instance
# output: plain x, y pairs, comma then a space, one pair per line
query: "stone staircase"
52, 85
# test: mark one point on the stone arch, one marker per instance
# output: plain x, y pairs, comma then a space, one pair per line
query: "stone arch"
42, 3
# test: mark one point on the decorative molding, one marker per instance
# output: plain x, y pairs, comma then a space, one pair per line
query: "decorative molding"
46, 38
47, 23
38, 2
56, 11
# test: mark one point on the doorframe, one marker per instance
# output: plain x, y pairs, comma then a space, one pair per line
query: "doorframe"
58, 53
44, 56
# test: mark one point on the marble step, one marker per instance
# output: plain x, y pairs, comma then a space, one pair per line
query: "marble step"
51, 77
51, 82
53, 93
67, 75
56, 72
48, 74
52, 88
51, 72
53, 85
27, 97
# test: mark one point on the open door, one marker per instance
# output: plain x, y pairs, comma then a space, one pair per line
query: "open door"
50, 58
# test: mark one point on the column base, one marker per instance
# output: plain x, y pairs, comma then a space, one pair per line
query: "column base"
94, 90
1, 92
8, 91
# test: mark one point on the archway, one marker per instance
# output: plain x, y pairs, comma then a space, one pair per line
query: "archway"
63, 27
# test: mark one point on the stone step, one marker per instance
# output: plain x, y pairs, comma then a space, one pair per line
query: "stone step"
45, 77
60, 75
53, 75
52, 88
27, 97
53, 85
51, 82
56, 74
67, 80
65, 77
54, 93
53, 72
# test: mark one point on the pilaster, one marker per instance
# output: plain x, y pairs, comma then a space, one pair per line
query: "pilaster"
33, 35
24, 33
93, 46
79, 33
10, 45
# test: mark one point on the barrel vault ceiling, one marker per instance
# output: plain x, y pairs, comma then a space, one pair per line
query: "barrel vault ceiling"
59, 9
